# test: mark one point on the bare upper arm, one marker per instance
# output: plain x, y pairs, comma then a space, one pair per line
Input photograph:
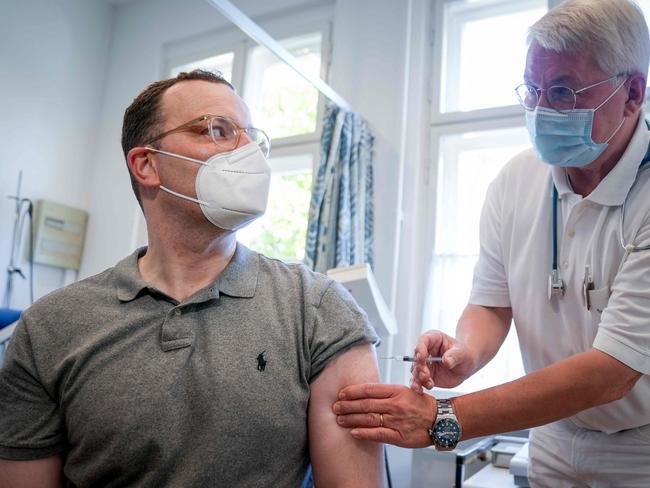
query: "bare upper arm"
616, 378
38, 473
483, 329
337, 458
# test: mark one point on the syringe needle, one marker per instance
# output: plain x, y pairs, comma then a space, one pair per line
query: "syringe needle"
411, 359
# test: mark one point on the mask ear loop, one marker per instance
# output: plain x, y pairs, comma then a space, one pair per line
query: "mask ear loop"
615, 131
612, 94
172, 192
607, 100
174, 155
184, 197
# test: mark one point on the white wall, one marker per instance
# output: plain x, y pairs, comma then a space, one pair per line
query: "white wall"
52, 57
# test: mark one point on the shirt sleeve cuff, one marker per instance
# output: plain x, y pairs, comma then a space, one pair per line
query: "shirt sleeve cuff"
489, 299
28, 454
625, 353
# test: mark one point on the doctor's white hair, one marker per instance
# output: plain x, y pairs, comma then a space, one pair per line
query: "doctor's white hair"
613, 32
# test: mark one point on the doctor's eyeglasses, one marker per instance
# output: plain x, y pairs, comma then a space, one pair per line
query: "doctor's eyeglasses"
560, 98
222, 131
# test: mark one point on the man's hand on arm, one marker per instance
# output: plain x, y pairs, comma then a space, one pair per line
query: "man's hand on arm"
337, 458
39, 473
407, 414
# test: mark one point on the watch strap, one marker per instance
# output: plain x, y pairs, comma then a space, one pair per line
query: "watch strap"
444, 408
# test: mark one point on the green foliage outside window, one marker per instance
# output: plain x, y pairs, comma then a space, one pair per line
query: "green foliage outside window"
284, 229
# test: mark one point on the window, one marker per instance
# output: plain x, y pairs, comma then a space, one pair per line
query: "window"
282, 231
645, 6
288, 108
221, 63
279, 98
484, 51
468, 161
477, 126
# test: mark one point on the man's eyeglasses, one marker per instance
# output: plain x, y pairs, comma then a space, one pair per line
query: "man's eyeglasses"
560, 98
223, 132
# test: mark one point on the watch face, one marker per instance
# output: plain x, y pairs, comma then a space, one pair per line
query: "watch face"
446, 432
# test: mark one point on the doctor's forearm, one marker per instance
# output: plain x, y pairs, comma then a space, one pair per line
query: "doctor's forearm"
482, 330
557, 391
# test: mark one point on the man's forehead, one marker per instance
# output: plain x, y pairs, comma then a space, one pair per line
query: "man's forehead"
547, 67
189, 99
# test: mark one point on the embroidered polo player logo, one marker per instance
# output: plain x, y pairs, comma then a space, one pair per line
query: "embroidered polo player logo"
261, 362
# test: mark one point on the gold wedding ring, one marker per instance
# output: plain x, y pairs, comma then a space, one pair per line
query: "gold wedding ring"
381, 420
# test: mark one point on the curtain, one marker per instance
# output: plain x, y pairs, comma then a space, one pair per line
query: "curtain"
340, 230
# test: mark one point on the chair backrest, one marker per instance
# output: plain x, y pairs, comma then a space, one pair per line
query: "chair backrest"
5, 336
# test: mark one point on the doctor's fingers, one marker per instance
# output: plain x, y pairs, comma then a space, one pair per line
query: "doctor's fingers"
368, 390
391, 436
422, 376
364, 406
430, 343
405, 405
408, 426
365, 420
384, 435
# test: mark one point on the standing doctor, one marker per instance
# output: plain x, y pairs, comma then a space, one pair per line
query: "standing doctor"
564, 253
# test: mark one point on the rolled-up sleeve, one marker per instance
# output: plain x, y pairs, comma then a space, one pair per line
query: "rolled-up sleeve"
30, 423
338, 324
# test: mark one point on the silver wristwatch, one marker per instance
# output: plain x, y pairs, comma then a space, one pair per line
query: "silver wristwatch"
445, 431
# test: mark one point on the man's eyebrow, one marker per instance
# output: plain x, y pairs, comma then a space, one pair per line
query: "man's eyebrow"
563, 80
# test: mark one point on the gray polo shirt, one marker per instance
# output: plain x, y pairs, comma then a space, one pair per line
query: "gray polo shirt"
140, 390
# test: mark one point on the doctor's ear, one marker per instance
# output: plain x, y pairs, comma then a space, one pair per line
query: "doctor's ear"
636, 93
143, 167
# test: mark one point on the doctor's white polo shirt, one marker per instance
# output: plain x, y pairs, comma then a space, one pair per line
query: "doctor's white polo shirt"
516, 258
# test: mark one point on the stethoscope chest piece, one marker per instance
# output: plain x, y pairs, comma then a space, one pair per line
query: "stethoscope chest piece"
556, 286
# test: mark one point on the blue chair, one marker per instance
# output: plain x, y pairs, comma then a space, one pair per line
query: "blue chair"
7, 318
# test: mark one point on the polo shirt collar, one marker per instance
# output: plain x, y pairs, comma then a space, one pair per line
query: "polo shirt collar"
238, 279
128, 281
613, 189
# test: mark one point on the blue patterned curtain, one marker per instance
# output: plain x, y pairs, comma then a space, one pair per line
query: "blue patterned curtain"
340, 231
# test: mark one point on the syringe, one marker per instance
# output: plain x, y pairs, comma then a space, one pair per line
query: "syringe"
411, 359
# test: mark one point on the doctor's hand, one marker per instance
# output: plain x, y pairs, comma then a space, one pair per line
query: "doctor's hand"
393, 414
457, 364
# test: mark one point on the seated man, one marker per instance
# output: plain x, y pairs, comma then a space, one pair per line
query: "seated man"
194, 361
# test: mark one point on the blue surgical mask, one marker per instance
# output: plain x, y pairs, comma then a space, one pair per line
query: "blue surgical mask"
564, 139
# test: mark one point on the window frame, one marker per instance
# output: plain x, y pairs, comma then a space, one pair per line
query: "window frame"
436, 132
438, 67
230, 39
280, 32
457, 122
438, 125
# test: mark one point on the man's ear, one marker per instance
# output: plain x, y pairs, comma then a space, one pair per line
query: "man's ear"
143, 167
636, 93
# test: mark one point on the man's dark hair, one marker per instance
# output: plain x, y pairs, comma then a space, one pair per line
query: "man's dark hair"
143, 119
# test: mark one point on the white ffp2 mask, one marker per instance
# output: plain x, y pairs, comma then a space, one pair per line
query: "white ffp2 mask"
232, 188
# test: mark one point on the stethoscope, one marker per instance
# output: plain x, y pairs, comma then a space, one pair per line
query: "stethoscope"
556, 286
